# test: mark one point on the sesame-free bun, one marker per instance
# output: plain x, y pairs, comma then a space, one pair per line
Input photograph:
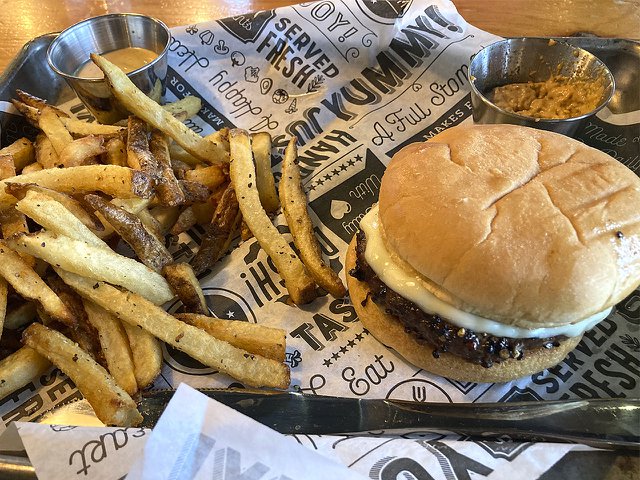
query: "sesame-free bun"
522, 226
390, 332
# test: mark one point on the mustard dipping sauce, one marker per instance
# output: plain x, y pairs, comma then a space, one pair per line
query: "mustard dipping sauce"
558, 97
128, 59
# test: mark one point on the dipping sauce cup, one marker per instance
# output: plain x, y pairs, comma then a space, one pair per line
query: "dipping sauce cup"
70, 50
522, 60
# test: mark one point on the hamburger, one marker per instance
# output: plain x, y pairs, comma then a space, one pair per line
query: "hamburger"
493, 248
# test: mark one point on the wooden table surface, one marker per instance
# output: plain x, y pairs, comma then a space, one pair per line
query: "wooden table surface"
22, 20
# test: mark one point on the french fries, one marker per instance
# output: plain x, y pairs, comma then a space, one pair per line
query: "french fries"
252, 337
218, 235
78, 128
37, 102
113, 180
116, 152
294, 205
185, 285
27, 283
212, 177
56, 218
112, 405
115, 346
261, 147
82, 151
300, 285
168, 189
138, 155
46, 156
189, 106
21, 151
94, 262
147, 355
147, 247
139, 104
20, 368
251, 369
49, 122
4, 296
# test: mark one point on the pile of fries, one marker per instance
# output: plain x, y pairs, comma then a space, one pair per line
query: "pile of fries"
68, 199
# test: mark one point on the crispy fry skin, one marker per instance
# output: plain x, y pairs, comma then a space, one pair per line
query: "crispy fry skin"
112, 404
294, 205
138, 155
300, 285
218, 235
147, 354
22, 152
121, 182
186, 286
168, 189
148, 248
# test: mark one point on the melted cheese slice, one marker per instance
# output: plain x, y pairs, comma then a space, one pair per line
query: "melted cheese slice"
410, 286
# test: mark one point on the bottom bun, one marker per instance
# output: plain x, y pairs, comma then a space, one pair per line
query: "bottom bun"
391, 333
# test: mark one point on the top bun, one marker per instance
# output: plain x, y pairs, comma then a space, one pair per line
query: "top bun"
519, 225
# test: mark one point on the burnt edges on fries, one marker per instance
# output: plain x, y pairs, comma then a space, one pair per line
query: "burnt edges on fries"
68, 198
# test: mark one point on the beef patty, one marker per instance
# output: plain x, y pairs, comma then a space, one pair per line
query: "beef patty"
437, 332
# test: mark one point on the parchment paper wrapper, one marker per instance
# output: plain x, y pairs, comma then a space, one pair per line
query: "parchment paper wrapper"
355, 82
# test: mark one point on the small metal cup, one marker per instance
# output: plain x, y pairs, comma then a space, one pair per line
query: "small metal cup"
71, 49
520, 60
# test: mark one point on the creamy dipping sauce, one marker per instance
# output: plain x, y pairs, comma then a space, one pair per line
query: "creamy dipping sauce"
128, 59
557, 98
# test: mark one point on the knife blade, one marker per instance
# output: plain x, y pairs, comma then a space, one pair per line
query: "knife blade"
603, 423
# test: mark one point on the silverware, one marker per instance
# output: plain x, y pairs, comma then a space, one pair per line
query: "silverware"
605, 423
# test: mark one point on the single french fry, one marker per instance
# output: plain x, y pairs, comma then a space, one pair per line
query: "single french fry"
252, 337
300, 285
20, 368
46, 156
37, 102
27, 283
96, 263
49, 122
147, 247
185, 285
261, 147
146, 352
294, 205
113, 180
80, 128
168, 189
22, 151
218, 234
165, 217
151, 112
184, 222
176, 152
7, 167
112, 405
115, 346
190, 105
116, 152
31, 114
82, 151
212, 176
194, 192
138, 155
251, 369
4, 295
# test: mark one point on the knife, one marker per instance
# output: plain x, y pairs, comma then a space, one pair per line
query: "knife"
602, 423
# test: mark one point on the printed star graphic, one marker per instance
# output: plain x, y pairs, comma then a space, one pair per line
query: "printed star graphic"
327, 363
351, 343
320, 182
335, 356
343, 167
312, 187
230, 314
335, 171
327, 177
343, 349
351, 163
358, 158
359, 337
